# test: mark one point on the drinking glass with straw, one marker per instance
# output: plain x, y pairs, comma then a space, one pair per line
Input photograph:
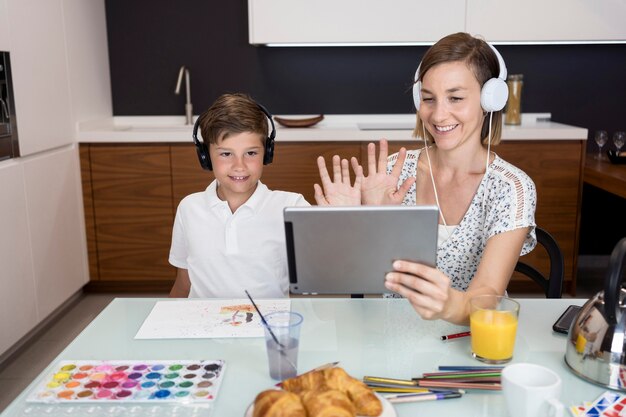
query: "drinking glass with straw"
282, 334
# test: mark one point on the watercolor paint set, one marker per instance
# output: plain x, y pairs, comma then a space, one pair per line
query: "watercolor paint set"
183, 381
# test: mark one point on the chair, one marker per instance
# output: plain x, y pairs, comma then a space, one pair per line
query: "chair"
553, 285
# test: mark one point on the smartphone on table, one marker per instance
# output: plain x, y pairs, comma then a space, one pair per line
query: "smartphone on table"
564, 322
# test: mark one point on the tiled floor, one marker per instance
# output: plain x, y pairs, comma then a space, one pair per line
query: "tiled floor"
23, 368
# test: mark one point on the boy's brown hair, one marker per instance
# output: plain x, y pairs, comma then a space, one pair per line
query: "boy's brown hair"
232, 114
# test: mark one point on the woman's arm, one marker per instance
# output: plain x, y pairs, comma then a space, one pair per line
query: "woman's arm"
182, 285
429, 291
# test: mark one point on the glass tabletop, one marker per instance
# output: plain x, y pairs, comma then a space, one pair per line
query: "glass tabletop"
373, 337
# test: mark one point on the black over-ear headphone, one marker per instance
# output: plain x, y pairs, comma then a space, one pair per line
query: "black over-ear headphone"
203, 150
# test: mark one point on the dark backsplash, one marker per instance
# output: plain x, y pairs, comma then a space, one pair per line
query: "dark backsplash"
149, 40
581, 85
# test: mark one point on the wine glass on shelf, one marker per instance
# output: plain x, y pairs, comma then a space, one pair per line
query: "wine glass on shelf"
618, 141
601, 139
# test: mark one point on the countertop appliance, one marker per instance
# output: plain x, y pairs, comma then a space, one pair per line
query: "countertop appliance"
596, 345
9, 145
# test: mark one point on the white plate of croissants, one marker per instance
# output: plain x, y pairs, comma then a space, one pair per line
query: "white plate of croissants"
329, 393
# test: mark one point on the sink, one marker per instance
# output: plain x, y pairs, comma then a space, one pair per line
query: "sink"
399, 125
155, 128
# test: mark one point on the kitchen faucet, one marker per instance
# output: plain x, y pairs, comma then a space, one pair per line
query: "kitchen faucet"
188, 107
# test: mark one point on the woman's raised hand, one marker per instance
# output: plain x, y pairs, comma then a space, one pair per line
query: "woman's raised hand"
339, 191
378, 187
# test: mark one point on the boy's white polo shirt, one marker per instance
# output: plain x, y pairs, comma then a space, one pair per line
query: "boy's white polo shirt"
226, 253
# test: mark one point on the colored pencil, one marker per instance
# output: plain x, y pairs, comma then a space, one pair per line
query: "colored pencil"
416, 390
319, 368
454, 374
424, 397
431, 391
384, 385
428, 383
455, 335
467, 379
325, 366
377, 379
468, 368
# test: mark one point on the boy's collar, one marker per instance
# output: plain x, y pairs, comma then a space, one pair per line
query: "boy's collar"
213, 200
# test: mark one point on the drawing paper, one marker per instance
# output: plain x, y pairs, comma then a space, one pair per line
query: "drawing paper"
198, 319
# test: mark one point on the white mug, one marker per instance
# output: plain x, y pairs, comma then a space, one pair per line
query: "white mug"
531, 391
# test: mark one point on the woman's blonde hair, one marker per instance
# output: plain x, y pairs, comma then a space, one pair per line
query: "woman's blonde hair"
482, 61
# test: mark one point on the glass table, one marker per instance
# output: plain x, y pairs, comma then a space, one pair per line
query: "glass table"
374, 337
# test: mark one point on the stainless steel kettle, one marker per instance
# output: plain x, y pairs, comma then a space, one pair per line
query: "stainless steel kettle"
596, 344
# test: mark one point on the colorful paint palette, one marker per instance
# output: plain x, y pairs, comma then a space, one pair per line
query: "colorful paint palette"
131, 381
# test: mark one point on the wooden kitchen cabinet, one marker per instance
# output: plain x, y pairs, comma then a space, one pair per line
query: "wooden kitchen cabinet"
556, 168
132, 191
132, 207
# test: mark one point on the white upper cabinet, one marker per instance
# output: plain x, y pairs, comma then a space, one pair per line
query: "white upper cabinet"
4, 27
40, 76
426, 21
88, 59
353, 21
547, 21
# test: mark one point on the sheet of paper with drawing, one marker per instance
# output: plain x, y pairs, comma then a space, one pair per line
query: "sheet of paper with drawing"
203, 319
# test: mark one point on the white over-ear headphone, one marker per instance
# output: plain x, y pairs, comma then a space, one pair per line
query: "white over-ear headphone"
493, 95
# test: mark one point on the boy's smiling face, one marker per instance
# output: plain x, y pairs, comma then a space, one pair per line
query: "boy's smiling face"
237, 164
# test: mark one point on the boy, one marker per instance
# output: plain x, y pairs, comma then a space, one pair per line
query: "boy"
231, 237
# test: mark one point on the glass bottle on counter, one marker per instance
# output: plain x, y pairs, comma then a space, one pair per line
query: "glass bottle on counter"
513, 115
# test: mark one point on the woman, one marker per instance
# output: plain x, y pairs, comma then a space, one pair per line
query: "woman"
486, 205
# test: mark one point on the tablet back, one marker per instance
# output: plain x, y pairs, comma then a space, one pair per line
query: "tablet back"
348, 250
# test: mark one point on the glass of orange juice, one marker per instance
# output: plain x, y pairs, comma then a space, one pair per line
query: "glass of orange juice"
493, 324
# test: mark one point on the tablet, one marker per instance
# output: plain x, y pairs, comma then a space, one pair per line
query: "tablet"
348, 250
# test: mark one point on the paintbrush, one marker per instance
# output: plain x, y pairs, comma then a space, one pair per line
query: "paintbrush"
267, 326
281, 347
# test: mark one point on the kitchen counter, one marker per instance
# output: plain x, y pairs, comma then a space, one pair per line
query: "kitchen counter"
361, 127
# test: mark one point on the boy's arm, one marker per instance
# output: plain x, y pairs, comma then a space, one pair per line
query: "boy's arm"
182, 285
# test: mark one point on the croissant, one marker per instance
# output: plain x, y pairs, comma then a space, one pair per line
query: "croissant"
310, 381
276, 403
331, 403
365, 401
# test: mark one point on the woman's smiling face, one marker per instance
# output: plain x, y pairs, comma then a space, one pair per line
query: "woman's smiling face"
450, 107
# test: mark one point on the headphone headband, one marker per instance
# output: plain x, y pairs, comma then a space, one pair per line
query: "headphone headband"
501, 63
493, 94
202, 148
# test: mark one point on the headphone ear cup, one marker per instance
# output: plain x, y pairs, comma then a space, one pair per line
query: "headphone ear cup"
203, 156
493, 95
268, 157
417, 88
417, 96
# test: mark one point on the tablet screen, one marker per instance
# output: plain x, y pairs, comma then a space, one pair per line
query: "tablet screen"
348, 250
